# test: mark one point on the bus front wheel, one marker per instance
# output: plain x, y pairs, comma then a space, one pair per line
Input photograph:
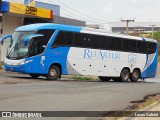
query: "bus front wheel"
135, 75
125, 75
53, 73
104, 79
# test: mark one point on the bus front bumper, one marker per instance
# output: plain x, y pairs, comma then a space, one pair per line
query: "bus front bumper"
20, 68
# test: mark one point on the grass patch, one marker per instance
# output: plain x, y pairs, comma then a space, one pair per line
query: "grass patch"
158, 58
146, 102
139, 106
82, 78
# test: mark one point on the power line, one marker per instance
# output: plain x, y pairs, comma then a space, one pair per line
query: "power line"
79, 12
85, 17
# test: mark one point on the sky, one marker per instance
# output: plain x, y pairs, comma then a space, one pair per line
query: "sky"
105, 11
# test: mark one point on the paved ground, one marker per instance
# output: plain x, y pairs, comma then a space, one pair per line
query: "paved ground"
66, 95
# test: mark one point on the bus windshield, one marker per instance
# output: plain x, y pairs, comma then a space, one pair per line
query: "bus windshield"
36, 46
16, 48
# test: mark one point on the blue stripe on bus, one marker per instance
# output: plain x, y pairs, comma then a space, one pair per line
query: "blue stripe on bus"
40, 26
150, 72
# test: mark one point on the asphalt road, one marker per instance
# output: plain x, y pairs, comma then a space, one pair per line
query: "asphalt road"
26, 94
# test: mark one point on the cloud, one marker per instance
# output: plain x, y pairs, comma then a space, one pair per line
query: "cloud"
134, 1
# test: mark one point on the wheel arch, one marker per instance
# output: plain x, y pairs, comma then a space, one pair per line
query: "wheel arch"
127, 69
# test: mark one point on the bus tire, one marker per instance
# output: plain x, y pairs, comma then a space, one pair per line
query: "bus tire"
53, 73
135, 75
104, 79
34, 75
125, 75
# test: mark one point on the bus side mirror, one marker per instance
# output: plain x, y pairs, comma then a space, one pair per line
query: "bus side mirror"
29, 37
5, 37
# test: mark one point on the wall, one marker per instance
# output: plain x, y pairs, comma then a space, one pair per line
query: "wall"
9, 24
68, 21
55, 8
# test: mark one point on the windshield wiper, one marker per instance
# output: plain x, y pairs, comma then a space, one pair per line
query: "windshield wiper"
13, 49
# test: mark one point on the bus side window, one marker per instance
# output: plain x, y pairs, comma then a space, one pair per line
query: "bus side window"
133, 46
118, 44
95, 41
144, 47
151, 47
126, 45
140, 46
86, 40
69, 38
78, 40
38, 42
103, 42
60, 39
111, 43
47, 35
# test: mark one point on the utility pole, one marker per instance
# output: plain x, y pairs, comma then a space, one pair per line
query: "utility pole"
152, 30
127, 24
138, 31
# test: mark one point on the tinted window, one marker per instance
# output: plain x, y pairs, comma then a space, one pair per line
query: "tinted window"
69, 38
64, 39
86, 40
151, 48
60, 39
38, 42
111, 43
78, 40
95, 41
103, 42
118, 44
126, 45
140, 46
47, 34
133, 46
144, 47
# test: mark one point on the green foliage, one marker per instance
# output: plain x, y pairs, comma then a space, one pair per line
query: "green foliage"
82, 78
157, 37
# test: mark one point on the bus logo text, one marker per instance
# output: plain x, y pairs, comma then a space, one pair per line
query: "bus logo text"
132, 60
100, 54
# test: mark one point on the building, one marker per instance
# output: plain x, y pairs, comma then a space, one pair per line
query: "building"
136, 28
18, 14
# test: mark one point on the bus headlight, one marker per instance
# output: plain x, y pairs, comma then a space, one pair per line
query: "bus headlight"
28, 61
21, 62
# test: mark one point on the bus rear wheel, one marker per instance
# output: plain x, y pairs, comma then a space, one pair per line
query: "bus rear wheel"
135, 75
53, 73
34, 75
125, 75
104, 79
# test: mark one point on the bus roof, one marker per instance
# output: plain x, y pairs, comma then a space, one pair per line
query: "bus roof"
34, 27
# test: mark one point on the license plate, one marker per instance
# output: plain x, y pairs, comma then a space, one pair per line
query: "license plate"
11, 69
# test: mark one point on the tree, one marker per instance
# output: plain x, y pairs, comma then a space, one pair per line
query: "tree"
157, 37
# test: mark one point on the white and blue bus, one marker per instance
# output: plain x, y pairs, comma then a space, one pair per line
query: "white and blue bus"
53, 50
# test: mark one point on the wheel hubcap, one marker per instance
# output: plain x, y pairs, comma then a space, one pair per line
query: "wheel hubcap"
53, 73
125, 75
135, 75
